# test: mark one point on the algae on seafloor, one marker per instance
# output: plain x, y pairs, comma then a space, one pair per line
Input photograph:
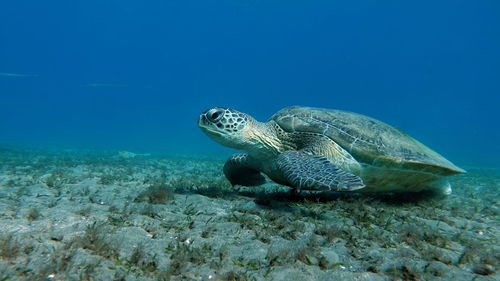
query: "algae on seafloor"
101, 217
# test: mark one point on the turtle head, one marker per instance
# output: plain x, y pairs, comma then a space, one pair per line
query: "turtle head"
226, 126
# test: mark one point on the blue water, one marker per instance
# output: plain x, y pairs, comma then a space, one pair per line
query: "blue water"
135, 75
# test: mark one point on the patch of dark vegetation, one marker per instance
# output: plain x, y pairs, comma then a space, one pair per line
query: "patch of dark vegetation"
483, 269
266, 223
332, 232
308, 254
418, 234
208, 232
141, 259
244, 220
234, 276
403, 272
433, 253
148, 210
191, 210
10, 247
313, 213
479, 255
58, 261
182, 255
210, 185
58, 177
54, 181
95, 239
33, 214
113, 209
117, 220
278, 257
293, 230
435, 269
84, 212
158, 194
22, 191
110, 177
263, 236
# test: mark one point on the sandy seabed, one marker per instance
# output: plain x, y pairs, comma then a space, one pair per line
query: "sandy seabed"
99, 216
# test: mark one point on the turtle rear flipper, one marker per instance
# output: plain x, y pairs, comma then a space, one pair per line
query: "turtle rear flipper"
239, 170
307, 171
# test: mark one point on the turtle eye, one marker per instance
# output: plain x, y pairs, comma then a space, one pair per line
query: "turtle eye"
215, 115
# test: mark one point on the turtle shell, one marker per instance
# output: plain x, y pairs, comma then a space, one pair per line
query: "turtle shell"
368, 140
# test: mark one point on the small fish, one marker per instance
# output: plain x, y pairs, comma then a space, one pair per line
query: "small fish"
5, 74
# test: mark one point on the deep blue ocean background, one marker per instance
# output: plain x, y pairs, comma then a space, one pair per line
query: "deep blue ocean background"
135, 75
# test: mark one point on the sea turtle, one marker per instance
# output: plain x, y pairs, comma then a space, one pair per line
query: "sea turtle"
324, 149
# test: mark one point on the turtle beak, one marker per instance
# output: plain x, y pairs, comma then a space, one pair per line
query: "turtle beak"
202, 120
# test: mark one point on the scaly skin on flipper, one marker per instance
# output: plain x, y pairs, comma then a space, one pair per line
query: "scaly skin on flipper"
239, 169
306, 171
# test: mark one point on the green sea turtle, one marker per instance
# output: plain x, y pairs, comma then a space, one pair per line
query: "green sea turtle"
323, 149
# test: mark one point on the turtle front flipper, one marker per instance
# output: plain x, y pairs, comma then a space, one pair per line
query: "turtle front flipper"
306, 171
240, 169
